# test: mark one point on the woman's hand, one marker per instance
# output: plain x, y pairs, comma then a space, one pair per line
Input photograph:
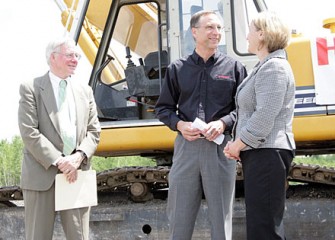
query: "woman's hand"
233, 148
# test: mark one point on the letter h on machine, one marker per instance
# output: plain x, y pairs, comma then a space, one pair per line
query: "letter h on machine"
322, 50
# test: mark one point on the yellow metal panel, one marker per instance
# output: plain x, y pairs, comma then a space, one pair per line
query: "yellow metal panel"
299, 56
97, 11
132, 140
316, 128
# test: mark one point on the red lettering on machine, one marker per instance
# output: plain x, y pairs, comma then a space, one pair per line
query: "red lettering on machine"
323, 61
322, 50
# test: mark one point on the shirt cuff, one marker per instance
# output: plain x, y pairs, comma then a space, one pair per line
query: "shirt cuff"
57, 160
83, 156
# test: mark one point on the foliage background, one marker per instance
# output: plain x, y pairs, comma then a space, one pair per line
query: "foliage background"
11, 157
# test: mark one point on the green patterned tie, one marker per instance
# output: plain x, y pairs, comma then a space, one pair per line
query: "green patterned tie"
64, 119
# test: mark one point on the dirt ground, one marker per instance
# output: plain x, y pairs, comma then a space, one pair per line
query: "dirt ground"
311, 191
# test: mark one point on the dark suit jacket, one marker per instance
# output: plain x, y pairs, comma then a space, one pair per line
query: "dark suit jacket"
40, 131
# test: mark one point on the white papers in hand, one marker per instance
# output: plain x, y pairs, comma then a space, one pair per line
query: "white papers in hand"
81, 193
201, 125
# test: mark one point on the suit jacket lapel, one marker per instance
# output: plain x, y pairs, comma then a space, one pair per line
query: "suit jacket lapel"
80, 107
49, 101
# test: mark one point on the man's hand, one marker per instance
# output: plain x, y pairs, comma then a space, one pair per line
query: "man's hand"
188, 132
69, 166
213, 130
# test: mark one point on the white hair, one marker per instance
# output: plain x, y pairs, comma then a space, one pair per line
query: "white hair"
56, 44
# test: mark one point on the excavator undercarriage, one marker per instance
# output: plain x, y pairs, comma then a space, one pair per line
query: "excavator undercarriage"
143, 183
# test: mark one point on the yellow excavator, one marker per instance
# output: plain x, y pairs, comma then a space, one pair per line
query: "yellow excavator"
130, 43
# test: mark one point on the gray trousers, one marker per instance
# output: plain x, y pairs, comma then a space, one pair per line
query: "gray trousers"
40, 217
200, 167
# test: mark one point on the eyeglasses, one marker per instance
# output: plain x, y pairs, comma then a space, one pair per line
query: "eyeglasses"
70, 55
211, 28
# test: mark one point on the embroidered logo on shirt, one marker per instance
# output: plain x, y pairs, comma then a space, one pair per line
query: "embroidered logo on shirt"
221, 77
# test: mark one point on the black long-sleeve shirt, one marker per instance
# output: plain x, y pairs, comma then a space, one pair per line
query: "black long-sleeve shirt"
189, 81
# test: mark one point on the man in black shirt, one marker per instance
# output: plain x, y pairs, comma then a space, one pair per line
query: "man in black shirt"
201, 85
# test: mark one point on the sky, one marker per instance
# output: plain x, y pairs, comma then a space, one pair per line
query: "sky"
27, 27
305, 16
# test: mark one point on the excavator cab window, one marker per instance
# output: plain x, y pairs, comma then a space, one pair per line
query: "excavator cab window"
242, 15
189, 8
130, 84
136, 26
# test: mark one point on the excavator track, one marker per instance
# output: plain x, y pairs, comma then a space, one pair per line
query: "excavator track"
141, 182
8, 194
312, 174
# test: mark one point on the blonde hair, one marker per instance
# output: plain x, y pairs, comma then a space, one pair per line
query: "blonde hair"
277, 33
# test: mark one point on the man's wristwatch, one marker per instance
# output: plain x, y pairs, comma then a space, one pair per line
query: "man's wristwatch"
83, 155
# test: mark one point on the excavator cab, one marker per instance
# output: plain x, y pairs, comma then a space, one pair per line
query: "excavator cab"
141, 38
130, 44
127, 87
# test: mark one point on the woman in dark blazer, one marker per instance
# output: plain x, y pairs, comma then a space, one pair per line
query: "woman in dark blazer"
263, 138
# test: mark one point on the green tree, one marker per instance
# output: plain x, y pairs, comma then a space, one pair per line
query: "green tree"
10, 161
11, 157
101, 163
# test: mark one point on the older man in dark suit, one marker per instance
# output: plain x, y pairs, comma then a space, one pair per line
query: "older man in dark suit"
59, 136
